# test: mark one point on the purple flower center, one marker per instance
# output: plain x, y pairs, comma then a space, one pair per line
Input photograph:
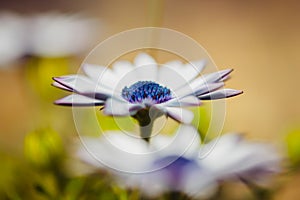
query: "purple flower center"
146, 90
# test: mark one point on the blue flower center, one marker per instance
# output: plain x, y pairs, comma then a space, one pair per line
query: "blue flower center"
146, 90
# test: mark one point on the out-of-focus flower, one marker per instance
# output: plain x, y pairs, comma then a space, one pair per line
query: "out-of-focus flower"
60, 35
231, 157
166, 164
176, 164
139, 88
12, 38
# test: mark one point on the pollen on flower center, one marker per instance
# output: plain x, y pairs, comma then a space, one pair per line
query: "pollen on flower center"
146, 90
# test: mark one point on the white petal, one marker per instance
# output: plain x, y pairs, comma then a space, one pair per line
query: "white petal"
116, 151
77, 83
93, 71
220, 94
214, 77
185, 142
183, 102
179, 114
121, 68
202, 89
125, 73
82, 85
237, 157
146, 67
217, 76
101, 75
175, 74
193, 69
60, 86
199, 183
209, 88
174, 65
261, 161
88, 152
116, 107
219, 146
78, 100
143, 59
169, 75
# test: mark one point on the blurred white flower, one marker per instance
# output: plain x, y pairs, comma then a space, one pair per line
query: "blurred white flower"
57, 35
166, 164
230, 156
175, 163
12, 38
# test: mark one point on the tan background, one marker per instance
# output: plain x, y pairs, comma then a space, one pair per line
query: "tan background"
259, 39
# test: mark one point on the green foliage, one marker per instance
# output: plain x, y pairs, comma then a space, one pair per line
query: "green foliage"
40, 72
293, 146
49, 176
115, 123
202, 120
12, 175
43, 148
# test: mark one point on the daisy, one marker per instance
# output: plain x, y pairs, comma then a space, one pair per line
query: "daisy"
57, 35
12, 39
145, 91
164, 165
239, 159
176, 163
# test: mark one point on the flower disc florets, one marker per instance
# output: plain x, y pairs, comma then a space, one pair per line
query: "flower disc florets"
146, 90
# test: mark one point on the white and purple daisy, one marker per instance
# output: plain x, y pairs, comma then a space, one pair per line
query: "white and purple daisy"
176, 163
144, 90
148, 86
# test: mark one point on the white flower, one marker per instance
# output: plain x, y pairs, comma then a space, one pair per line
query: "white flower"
175, 163
12, 40
239, 159
57, 35
166, 164
128, 88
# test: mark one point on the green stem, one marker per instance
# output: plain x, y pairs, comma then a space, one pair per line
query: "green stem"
145, 131
146, 120
155, 10
145, 123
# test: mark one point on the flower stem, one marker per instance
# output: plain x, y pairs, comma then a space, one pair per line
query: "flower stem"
146, 118
145, 123
145, 132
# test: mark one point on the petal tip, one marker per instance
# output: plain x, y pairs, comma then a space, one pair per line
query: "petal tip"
57, 102
238, 92
55, 78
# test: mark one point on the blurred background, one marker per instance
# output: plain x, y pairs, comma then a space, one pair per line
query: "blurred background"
42, 39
